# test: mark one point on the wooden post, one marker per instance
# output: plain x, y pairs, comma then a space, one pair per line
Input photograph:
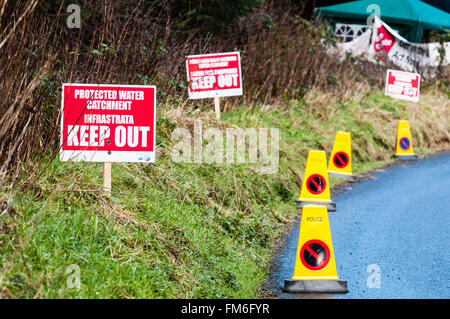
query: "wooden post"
217, 107
107, 177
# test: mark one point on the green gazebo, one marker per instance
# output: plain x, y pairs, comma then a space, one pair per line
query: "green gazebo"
409, 17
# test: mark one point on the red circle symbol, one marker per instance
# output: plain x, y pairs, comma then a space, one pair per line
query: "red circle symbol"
316, 184
315, 254
404, 143
341, 159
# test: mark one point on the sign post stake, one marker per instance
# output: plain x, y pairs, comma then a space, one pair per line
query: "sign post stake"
107, 177
217, 107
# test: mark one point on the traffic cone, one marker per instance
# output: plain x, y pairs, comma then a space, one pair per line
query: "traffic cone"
315, 186
403, 147
340, 164
315, 267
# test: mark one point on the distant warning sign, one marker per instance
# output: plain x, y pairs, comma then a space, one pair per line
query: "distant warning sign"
315, 254
214, 75
108, 123
402, 85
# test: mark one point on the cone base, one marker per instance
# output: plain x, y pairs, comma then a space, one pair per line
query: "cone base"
301, 286
406, 157
331, 207
350, 178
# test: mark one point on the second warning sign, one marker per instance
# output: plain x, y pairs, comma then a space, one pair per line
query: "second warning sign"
108, 123
214, 75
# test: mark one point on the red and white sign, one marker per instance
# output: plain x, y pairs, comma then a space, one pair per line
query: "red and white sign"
383, 41
402, 85
214, 75
108, 123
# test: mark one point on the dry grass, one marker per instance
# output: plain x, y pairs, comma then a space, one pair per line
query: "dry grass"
134, 42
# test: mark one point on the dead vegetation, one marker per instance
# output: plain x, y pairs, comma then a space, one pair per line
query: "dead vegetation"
138, 42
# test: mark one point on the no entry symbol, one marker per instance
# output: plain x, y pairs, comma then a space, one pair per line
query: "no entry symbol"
315, 254
316, 184
340, 159
404, 143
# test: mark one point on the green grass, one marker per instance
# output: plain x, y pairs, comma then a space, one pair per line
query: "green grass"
179, 230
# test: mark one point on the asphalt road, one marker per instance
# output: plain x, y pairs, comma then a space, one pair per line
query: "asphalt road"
397, 226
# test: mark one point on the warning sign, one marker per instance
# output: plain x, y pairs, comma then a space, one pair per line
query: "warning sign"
316, 184
315, 254
214, 75
404, 147
402, 85
340, 159
340, 164
404, 143
108, 123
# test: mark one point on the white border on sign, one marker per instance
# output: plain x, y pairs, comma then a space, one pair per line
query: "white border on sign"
216, 93
103, 156
399, 96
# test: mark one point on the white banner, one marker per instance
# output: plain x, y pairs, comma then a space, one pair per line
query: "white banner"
382, 43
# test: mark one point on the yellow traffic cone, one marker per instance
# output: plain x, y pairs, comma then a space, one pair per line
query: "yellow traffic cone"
315, 266
315, 186
403, 147
340, 164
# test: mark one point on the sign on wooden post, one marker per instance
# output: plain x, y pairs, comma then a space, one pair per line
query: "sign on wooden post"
402, 85
214, 76
108, 123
